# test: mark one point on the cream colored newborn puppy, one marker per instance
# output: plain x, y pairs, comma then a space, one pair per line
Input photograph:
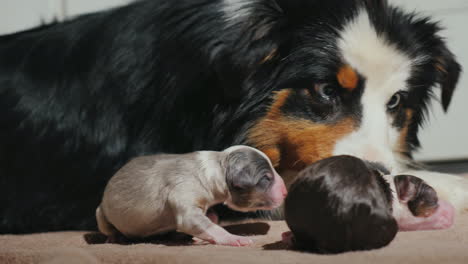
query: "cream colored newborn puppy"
155, 194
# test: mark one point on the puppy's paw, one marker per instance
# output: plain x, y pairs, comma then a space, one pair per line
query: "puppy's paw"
219, 236
287, 237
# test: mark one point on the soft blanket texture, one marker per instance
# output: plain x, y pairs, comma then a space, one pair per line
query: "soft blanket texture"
447, 246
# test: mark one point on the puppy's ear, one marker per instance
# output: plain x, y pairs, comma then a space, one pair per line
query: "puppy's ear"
237, 172
448, 72
406, 187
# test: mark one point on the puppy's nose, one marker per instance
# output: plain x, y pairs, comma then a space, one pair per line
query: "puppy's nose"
284, 191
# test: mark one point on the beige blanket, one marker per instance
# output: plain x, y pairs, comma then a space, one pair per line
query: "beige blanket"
447, 246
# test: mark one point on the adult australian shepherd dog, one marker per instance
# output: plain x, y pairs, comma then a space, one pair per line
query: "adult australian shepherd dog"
301, 80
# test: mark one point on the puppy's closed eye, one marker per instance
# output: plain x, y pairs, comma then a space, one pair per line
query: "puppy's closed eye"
265, 180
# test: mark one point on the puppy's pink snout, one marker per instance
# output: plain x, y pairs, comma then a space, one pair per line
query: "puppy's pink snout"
284, 191
443, 218
278, 191
281, 187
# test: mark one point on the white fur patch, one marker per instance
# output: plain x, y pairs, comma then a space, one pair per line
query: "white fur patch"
236, 9
386, 70
213, 177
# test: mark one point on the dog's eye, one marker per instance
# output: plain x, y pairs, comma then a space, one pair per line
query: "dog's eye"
326, 91
395, 101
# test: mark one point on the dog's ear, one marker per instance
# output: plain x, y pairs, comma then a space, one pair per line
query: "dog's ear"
234, 66
448, 72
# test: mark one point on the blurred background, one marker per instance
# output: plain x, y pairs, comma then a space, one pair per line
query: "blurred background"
445, 138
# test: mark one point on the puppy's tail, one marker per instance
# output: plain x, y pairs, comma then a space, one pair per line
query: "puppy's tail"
104, 225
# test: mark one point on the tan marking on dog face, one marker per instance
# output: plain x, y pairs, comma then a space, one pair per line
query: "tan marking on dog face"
259, 134
402, 144
347, 77
274, 155
305, 142
294, 143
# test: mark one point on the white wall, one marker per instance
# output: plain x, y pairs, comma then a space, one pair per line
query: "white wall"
75, 7
20, 14
17, 15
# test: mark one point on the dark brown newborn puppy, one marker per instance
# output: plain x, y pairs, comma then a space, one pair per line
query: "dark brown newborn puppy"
345, 204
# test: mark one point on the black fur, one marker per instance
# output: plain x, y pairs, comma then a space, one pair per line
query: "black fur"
80, 98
